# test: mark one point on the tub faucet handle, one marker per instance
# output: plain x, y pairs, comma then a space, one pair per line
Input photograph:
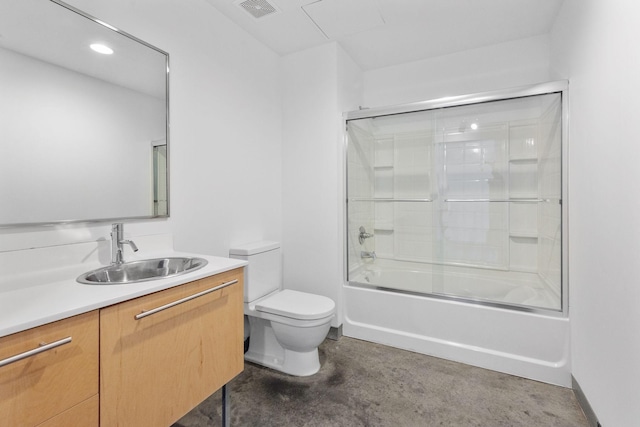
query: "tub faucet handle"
363, 235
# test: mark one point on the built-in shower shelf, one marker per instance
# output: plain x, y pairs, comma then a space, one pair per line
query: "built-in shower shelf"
523, 269
523, 159
388, 228
523, 234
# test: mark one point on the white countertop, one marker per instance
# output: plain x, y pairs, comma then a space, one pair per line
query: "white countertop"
39, 286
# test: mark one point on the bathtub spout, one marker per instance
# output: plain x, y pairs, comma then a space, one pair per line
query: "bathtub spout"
365, 254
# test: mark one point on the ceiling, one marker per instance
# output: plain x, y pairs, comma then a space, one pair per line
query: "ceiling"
381, 33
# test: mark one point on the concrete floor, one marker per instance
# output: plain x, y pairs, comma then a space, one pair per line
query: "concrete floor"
366, 384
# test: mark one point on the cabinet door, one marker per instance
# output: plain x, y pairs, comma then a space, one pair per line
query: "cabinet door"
43, 385
84, 414
155, 369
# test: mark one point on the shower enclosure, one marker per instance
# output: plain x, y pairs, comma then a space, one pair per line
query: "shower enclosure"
456, 230
460, 198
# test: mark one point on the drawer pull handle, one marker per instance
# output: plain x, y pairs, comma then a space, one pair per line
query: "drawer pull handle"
41, 349
146, 313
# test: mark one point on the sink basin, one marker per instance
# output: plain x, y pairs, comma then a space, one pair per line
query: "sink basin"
141, 271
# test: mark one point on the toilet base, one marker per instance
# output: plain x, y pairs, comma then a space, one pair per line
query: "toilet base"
293, 362
264, 349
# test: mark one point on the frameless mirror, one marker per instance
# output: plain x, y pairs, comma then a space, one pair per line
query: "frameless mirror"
83, 135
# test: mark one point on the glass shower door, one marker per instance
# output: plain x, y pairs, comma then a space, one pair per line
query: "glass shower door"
460, 202
499, 202
389, 190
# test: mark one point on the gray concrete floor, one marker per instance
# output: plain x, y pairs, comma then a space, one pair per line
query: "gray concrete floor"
366, 384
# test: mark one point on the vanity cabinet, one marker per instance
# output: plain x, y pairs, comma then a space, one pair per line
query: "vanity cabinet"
49, 374
164, 353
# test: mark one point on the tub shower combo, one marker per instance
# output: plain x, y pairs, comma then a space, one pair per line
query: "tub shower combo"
455, 217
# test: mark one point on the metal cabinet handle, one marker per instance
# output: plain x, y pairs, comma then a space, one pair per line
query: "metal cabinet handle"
41, 349
146, 313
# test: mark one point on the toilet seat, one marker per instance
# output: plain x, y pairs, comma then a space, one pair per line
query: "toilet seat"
297, 305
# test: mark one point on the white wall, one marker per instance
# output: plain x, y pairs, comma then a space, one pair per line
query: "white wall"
593, 45
318, 85
511, 64
226, 130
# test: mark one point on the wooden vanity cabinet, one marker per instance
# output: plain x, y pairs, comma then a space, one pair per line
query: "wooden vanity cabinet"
156, 368
55, 384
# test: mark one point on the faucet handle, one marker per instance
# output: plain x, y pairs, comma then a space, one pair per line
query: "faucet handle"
117, 229
363, 235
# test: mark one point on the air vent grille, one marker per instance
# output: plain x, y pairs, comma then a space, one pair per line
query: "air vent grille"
258, 8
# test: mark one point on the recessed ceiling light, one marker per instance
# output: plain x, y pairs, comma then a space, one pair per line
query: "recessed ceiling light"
100, 48
474, 126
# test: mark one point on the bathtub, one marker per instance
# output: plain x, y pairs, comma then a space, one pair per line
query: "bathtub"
528, 343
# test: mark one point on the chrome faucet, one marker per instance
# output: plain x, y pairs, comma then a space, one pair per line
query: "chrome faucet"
363, 235
366, 254
117, 240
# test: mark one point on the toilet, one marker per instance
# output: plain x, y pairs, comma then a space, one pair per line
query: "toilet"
285, 326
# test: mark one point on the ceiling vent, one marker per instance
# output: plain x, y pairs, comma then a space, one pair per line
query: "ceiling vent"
258, 8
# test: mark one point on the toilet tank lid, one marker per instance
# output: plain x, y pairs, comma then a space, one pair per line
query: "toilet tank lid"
254, 248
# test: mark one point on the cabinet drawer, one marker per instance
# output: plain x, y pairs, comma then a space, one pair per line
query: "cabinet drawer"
155, 369
43, 385
85, 414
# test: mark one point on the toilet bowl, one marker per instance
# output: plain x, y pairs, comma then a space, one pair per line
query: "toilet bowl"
286, 326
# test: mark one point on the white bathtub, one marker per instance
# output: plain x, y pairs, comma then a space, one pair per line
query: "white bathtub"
527, 344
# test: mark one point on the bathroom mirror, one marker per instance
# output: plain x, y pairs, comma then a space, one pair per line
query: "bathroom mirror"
83, 135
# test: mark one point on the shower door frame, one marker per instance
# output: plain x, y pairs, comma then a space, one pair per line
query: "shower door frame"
559, 87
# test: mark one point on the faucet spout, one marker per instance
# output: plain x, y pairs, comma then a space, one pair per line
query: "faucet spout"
130, 243
117, 242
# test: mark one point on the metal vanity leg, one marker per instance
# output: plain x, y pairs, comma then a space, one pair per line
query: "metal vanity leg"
226, 407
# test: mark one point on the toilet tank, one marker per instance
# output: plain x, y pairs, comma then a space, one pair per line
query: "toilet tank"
263, 275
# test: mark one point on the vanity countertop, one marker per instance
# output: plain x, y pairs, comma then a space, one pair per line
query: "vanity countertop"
49, 291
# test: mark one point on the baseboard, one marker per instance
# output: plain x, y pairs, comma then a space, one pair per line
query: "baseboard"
584, 404
335, 333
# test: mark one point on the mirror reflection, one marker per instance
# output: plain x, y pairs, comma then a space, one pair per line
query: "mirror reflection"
83, 134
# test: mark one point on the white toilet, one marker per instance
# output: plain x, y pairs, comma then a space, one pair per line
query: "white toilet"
286, 326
